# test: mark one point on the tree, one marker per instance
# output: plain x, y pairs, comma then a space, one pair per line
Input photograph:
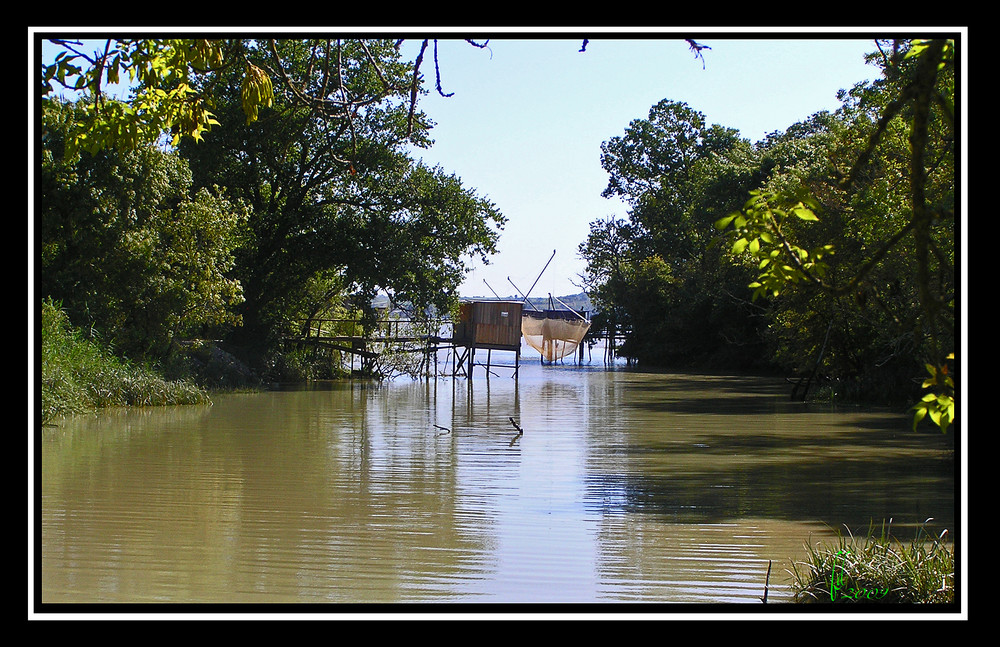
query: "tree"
609, 251
338, 197
678, 174
125, 247
311, 135
906, 123
160, 74
168, 93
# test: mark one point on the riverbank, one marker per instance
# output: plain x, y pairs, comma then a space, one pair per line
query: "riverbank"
79, 376
878, 568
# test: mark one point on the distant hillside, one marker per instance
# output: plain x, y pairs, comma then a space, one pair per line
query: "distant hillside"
579, 302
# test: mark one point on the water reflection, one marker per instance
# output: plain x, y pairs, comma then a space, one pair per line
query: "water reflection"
624, 486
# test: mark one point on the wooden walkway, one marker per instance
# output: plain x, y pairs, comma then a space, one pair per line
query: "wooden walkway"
421, 336
401, 335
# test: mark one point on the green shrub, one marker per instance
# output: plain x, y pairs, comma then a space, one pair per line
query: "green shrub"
78, 375
878, 570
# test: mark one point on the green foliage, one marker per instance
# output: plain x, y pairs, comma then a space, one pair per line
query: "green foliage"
938, 405
257, 91
320, 200
341, 201
160, 74
658, 154
678, 174
608, 251
873, 182
126, 249
762, 231
648, 287
895, 241
171, 91
878, 569
78, 375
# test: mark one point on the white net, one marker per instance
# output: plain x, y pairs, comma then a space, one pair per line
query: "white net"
554, 334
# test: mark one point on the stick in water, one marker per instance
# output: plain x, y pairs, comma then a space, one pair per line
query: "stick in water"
767, 581
520, 432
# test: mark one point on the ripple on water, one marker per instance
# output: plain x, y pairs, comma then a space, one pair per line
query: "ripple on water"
624, 487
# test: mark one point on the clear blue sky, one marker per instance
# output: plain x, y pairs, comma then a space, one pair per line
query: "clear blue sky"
529, 113
526, 122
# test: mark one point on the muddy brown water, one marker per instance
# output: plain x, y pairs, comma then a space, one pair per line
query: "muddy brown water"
625, 486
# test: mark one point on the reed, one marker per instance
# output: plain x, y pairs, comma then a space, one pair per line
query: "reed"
78, 375
878, 569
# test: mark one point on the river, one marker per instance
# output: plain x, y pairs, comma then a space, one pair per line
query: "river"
624, 487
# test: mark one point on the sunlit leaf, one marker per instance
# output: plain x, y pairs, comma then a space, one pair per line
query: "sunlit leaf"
722, 223
804, 214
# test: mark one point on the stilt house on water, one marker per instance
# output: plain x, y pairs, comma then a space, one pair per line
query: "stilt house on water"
498, 325
487, 325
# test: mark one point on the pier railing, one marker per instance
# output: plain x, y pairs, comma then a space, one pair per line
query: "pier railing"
391, 346
385, 331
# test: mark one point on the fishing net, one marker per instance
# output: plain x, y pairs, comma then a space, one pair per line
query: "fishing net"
553, 333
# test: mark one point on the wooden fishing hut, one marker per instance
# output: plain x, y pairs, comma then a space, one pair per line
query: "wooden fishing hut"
489, 326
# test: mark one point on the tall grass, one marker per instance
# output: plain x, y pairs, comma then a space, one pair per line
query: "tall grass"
79, 376
878, 569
